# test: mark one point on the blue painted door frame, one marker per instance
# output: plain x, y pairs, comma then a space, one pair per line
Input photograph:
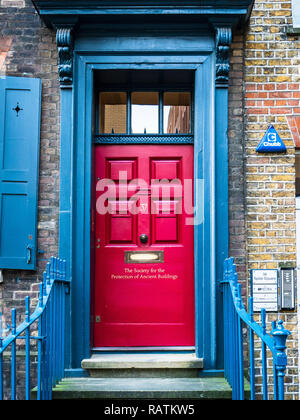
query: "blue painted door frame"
193, 52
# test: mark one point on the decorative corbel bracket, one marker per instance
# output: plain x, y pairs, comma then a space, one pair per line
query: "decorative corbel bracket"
64, 40
223, 41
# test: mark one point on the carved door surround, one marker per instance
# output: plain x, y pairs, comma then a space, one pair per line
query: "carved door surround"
65, 45
210, 33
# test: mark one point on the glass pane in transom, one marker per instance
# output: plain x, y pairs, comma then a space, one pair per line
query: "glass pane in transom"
113, 111
177, 112
144, 112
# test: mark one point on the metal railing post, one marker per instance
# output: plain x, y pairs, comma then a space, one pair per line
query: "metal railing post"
280, 335
27, 348
235, 315
49, 313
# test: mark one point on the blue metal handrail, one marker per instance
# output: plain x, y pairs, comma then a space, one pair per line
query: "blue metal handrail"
50, 315
235, 315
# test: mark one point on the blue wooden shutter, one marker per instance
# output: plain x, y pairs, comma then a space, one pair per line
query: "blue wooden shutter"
20, 105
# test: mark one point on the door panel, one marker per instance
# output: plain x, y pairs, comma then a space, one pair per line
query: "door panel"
143, 304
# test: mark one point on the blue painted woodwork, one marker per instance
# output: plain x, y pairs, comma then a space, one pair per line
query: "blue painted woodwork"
145, 35
64, 40
143, 139
20, 108
79, 187
50, 315
223, 40
221, 215
205, 142
66, 200
225, 11
236, 317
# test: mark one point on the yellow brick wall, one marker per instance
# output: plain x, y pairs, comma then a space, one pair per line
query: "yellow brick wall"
271, 88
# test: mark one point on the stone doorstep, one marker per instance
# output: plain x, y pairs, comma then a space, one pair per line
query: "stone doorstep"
141, 388
142, 361
143, 365
143, 376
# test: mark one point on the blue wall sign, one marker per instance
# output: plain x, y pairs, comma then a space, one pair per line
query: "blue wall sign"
271, 142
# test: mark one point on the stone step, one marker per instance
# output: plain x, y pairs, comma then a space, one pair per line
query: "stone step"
143, 365
142, 388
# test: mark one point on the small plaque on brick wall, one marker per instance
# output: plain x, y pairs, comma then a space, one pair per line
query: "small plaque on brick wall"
265, 290
271, 142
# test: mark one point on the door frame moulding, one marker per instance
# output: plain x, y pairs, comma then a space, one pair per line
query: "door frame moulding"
205, 287
210, 133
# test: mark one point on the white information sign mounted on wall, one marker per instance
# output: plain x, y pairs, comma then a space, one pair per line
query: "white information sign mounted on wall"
265, 290
296, 13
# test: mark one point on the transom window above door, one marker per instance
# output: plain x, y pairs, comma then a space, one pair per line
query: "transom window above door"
143, 106
145, 112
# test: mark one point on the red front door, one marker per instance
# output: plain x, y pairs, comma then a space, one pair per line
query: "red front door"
144, 264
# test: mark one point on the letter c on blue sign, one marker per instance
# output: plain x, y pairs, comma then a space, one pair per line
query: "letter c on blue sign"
272, 137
